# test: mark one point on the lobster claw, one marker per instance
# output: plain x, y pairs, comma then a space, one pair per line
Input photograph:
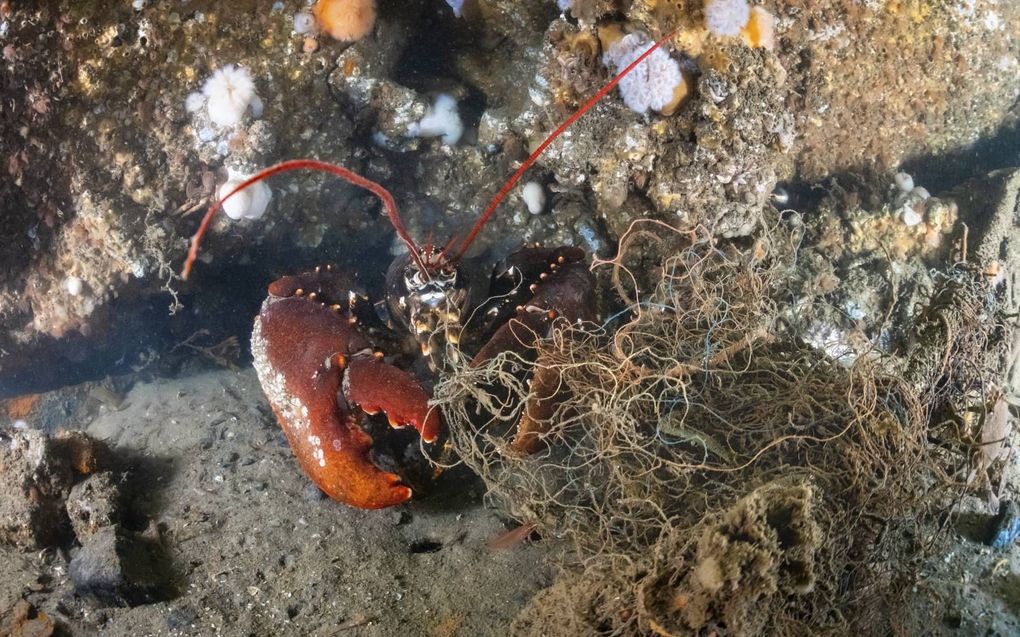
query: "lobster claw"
316, 367
377, 386
562, 293
556, 287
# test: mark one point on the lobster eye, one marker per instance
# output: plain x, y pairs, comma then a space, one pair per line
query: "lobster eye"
412, 279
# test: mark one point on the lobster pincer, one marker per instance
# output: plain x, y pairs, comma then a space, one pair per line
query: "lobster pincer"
322, 374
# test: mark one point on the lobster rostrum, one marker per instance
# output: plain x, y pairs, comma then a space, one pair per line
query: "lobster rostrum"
317, 346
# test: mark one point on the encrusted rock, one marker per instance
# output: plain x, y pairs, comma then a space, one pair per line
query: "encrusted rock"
94, 504
37, 473
35, 478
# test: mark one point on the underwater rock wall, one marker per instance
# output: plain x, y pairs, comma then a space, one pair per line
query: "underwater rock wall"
110, 151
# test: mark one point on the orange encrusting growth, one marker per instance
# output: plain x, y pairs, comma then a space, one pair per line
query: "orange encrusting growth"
20, 407
759, 32
345, 20
682, 91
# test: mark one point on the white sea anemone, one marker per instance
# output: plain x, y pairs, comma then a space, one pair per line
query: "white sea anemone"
229, 91
194, 102
534, 197
904, 182
250, 203
653, 83
442, 120
304, 23
73, 285
726, 18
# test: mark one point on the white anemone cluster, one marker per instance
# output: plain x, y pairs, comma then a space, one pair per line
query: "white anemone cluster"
653, 83
726, 18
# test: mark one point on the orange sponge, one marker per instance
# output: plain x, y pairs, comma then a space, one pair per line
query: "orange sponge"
346, 20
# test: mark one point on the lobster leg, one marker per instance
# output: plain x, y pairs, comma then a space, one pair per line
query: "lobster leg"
546, 393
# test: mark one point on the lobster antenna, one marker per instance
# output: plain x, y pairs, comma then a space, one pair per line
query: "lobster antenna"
312, 164
514, 178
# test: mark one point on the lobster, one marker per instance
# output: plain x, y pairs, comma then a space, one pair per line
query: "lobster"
318, 347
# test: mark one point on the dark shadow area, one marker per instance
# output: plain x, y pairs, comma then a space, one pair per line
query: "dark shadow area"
141, 336
943, 172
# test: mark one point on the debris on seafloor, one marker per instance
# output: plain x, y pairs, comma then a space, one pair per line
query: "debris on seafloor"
765, 543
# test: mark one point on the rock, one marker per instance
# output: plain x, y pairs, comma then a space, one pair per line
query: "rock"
26, 621
35, 479
116, 568
989, 206
94, 504
37, 472
1004, 529
313, 493
81, 452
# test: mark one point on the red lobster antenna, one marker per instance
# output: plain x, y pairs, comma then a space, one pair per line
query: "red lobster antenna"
300, 164
514, 178
387, 199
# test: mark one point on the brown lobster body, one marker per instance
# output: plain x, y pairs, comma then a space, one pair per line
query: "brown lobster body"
315, 343
318, 358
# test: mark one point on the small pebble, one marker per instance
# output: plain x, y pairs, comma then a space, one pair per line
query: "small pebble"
313, 493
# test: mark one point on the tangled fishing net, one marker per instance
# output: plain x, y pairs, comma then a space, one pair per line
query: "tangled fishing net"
712, 470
